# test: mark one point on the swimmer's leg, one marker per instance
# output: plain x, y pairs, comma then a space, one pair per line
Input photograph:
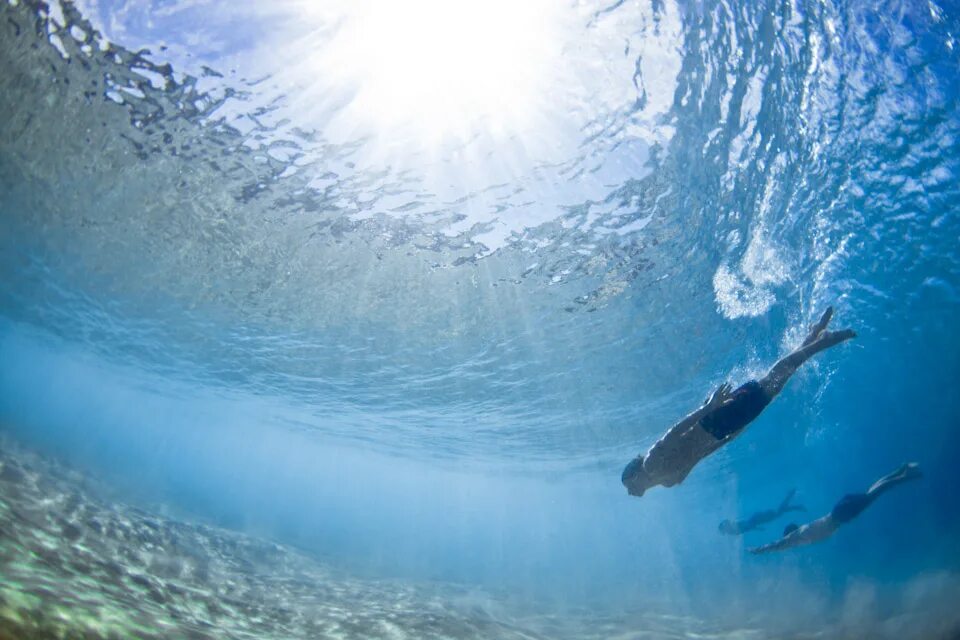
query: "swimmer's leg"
786, 506
852, 505
906, 472
818, 340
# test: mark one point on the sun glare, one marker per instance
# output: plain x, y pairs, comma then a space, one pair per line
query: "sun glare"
444, 67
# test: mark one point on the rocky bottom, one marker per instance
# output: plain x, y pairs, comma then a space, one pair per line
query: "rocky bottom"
77, 564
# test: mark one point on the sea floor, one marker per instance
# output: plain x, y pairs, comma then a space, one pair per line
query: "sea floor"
76, 563
75, 566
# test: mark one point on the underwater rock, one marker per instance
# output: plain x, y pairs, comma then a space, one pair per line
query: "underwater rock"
72, 503
69, 531
11, 473
73, 565
76, 566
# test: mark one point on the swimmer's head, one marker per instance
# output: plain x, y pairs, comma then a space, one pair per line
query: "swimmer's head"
635, 478
727, 526
790, 528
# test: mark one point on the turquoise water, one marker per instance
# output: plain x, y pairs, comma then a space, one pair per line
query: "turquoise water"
403, 289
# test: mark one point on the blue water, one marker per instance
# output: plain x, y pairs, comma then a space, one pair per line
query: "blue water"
248, 275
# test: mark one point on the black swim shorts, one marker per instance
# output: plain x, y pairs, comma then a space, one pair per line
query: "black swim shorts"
849, 507
746, 404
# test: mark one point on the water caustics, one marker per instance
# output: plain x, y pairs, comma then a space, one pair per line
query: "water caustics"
335, 224
512, 238
397, 236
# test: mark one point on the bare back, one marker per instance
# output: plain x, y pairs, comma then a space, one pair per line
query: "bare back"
672, 457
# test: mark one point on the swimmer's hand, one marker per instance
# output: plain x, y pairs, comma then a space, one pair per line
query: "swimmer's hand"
719, 398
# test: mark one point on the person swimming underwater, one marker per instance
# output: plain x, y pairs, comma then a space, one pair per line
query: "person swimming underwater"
757, 520
849, 507
722, 417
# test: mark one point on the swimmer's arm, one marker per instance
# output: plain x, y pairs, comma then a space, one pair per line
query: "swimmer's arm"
779, 545
785, 542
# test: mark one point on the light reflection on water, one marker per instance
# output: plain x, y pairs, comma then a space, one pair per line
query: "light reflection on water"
212, 225
193, 209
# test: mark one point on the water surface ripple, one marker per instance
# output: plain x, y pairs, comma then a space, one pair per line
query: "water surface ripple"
179, 194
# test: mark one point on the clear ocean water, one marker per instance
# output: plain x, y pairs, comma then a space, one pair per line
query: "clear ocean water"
341, 318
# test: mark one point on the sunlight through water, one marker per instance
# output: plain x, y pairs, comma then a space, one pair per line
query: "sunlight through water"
441, 67
401, 286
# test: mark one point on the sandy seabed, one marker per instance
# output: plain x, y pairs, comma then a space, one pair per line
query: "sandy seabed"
76, 563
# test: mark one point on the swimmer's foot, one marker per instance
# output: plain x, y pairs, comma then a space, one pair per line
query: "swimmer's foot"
817, 328
909, 471
828, 339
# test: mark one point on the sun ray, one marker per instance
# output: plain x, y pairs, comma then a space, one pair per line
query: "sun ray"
439, 68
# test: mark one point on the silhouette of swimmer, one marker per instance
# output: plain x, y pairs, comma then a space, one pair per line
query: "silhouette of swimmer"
757, 520
849, 507
722, 417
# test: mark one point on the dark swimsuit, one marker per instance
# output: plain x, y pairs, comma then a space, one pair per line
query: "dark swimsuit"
850, 506
747, 402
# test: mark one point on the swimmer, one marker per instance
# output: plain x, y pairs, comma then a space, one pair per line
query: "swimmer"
722, 417
849, 507
757, 520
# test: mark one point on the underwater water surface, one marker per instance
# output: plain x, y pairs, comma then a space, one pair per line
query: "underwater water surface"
341, 319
